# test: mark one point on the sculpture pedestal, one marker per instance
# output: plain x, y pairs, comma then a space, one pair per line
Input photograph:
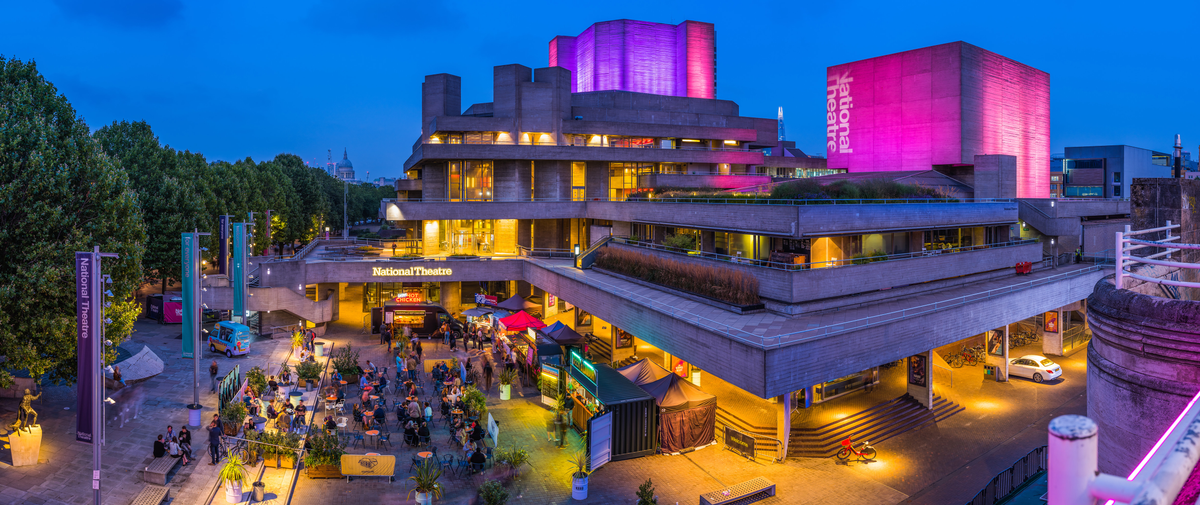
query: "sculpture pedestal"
25, 446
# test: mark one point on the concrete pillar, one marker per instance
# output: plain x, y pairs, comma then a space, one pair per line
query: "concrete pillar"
783, 420
441, 95
430, 242
708, 242
999, 338
513, 182
338, 289
525, 233
452, 297
1072, 460
332, 292
597, 180
916, 241
920, 378
1052, 341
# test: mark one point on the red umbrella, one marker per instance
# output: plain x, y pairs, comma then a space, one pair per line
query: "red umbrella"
521, 320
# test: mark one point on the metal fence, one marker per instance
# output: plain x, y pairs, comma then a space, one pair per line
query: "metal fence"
1008, 481
725, 200
1075, 337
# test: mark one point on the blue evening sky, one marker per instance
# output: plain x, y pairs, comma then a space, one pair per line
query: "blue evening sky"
233, 79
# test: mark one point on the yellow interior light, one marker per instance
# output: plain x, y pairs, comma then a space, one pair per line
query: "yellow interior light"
690, 140
731, 142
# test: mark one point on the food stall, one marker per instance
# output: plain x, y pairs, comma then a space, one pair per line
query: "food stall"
597, 390
686, 415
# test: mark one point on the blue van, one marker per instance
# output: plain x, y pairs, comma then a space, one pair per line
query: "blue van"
231, 338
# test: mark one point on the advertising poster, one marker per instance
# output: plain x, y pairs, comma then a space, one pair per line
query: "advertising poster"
680, 368
995, 345
916, 370
1051, 319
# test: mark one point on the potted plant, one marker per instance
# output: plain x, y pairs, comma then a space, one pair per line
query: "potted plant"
232, 417
323, 459
492, 492
425, 482
513, 458
579, 475
297, 342
345, 361
562, 405
475, 401
256, 380
233, 477
507, 377
277, 455
645, 494
309, 372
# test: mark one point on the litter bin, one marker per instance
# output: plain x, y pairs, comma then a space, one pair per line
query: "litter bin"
260, 491
319, 349
294, 397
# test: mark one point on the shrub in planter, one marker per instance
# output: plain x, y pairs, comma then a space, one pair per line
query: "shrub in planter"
512, 457
425, 482
507, 377
345, 361
475, 401
297, 339
645, 494
579, 475
233, 477
492, 492
308, 371
726, 284
324, 451
276, 454
256, 380
232, 417
680, 242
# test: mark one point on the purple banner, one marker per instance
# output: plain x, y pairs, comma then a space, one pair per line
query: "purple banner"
85, 321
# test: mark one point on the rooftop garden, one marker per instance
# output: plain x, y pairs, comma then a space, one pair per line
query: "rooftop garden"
720, 283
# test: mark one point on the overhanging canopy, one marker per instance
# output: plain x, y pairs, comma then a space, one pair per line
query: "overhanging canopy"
567, 336
672, 393
516, 303
643, 372
521, 320
613, 388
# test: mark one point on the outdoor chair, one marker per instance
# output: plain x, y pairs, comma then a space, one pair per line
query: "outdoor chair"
423, 441
384, 438
447, 462
464, 465
358, 439
415, 462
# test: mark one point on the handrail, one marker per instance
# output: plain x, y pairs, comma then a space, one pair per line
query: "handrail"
717, 200
1125, 245
822, 331
779, 456
812, 265
588, 257
1005, 482
572, 144
544, 252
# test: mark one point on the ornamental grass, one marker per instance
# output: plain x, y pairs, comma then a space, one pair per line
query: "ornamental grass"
721, 283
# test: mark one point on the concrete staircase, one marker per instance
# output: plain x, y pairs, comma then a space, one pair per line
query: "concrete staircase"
875, 424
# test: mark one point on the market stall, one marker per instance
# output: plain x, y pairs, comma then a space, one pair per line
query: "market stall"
598, 390
686, 415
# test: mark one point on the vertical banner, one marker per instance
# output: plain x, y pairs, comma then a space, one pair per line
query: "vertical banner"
87, 323
223, 242
188, 250
237, 278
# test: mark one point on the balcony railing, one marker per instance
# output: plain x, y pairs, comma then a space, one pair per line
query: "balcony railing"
731, 200
775, 265
495, 142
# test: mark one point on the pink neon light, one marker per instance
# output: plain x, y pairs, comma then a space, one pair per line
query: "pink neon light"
1163, 438
939, 105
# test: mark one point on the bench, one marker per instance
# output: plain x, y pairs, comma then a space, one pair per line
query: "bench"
156, 472
151, 495
747, 492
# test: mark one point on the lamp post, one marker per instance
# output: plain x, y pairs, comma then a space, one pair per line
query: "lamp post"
345, 220
90, 289
193, 315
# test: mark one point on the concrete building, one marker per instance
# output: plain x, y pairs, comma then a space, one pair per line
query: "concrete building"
520, 195
939, 105
1106, 171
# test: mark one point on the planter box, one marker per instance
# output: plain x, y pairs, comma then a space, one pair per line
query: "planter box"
283, 463
740, 309
324, 472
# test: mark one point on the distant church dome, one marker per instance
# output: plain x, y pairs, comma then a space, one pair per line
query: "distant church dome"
345, 163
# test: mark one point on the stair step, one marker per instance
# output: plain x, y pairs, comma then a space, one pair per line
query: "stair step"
876, 424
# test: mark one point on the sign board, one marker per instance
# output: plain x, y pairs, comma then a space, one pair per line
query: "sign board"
916, 370
362, 465
188, 249
680, 368
995, 343
482, 299
599, 441
409, 272
739, 442
1051, 319
387, 317
87, 328
493, 430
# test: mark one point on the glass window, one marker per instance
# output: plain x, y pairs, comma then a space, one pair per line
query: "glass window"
479, 138
630, 142
1116, 191
578, 181
477, 181
455, 181
1116, 177
623, 178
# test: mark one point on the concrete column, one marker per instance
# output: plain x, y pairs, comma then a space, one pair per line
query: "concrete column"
783, 419
525, 233
597, 180
332, 292
452, 297
708, 242
920, 378
1072, 460
338, 289
429, 238
1052, 341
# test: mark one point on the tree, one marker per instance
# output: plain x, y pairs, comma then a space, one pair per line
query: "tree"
301, 221
165, 194
59, 193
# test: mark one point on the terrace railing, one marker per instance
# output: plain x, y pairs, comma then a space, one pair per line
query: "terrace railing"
1126, 260
808, 266
727, 200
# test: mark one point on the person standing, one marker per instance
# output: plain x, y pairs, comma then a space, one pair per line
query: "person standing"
212, 373
487, 375
412, 368
418, 349
383, 333
387, 336
214, 442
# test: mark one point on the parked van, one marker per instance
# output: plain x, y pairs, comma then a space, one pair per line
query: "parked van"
231, 338
423, 318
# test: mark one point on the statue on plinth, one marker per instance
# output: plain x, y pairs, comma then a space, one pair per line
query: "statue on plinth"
23, 417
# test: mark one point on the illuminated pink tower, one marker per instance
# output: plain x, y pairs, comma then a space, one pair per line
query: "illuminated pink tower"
939, 105
628, 55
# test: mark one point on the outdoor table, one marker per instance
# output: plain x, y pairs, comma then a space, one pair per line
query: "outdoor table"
456, 412
411, 398
368, 388
424, 454
374, 434
331, 398
343, 382
373, 397
372, 454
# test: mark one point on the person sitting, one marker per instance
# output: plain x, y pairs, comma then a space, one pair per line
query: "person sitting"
445, 408
298, 420
175, 451
160, 448
337, 377
362, 382
117, 375
428, 413
248, 426
410, 434
285, 376
478, 458
476, 432
330, 425
380, 414
423, 431
414, 409
341, 394
271, 412
382, 382
412, 389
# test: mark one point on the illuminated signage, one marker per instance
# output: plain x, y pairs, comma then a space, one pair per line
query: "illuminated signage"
412, 271
837, 113
584, 366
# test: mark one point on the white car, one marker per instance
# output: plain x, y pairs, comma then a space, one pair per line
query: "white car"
1034, 367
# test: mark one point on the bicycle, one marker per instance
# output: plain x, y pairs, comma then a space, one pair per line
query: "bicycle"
956, 361
863, 450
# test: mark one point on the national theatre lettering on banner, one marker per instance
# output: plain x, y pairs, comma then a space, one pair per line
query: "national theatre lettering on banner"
410, 272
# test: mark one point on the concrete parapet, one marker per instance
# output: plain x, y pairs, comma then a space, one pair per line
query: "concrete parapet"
1143, 369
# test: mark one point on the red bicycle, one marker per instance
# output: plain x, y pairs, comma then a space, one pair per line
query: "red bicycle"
863, 450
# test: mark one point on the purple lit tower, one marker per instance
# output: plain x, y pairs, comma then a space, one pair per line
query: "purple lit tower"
627, 55
939, 105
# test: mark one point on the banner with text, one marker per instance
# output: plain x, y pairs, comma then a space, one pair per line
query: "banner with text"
189, 299
87, 323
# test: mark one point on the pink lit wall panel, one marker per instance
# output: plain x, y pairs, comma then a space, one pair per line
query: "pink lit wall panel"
939, 105
643, 57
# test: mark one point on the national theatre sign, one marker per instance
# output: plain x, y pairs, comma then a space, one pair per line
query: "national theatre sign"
407, 272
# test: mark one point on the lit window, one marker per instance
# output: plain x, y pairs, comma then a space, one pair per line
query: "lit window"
731, 143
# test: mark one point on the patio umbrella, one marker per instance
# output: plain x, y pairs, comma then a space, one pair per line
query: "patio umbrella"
567, 336
521, 320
